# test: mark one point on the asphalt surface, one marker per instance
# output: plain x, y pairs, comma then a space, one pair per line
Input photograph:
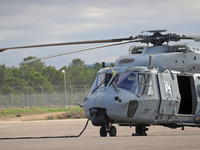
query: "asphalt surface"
158, 137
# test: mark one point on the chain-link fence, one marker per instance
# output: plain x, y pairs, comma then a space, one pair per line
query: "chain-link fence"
29, 98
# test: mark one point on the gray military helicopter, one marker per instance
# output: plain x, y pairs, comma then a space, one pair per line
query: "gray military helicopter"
156, 84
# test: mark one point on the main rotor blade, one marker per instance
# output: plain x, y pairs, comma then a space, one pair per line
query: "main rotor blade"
69, 43
81, 50
196, 38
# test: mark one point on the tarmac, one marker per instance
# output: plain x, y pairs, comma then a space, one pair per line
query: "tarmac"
158, 137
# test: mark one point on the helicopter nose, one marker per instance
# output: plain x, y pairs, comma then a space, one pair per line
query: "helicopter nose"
99, 116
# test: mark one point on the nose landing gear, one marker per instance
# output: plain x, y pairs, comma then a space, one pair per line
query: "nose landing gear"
108, 129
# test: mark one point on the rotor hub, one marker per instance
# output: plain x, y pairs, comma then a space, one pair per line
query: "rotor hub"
157, 38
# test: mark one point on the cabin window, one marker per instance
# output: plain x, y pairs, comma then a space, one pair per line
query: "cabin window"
145, 84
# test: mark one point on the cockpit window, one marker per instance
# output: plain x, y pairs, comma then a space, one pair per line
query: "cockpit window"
101, 80
137, 83
127, 81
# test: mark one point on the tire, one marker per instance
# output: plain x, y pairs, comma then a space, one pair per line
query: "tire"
103, 132
113, 131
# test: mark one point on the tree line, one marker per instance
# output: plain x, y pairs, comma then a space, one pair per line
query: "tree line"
37, 74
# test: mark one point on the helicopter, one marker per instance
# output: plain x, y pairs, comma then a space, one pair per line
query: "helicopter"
157, 84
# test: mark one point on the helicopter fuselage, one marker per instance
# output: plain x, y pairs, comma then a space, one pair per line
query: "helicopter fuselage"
141, 96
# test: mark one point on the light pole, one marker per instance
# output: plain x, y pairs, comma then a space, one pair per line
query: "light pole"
63, 71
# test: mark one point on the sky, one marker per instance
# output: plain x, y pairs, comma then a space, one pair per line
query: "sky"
33, 22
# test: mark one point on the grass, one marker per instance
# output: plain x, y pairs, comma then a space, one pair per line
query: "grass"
69, 112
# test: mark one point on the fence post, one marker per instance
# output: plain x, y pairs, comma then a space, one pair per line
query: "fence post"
42, 96
71, 92
22, 95
11, 96
26, 96
34, 99
56, 95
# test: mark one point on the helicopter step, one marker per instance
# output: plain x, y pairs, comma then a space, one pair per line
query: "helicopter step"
104, 130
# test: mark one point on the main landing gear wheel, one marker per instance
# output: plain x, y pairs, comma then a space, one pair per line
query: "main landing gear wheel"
108, 129
103, 131
140, 131
113, 131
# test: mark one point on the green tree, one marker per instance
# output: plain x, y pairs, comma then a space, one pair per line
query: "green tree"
5, 89
3, 74
81, 75
39, 76
52, 75
37, 80
37, 65
16, 72
97, 66
16, 84
24, 72
77, 62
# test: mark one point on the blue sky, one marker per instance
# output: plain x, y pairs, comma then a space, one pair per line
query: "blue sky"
26, 22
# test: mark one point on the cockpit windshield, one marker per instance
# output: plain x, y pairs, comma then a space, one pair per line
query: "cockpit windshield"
136, 83
101, 80
127, 81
